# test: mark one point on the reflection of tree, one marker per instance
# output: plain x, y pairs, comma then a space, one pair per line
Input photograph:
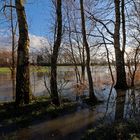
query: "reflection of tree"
120, 102
131, 106
126, 104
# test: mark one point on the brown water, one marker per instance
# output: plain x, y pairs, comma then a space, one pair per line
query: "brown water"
116, 105
66, 80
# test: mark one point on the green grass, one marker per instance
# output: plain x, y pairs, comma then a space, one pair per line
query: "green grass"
4, 70
39, 69
122, 130
38, 109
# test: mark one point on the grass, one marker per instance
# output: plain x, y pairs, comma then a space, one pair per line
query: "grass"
38, 110
39, 69
123, 130
4, 70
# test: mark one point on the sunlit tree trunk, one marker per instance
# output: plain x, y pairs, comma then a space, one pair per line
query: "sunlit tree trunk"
23, 74
85, 43
57, 43
119, 54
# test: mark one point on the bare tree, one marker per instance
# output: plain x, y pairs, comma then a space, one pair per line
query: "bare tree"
57, 43
22, 74
9, 13
85, 43
133, 56
119, 54
116, 35
13, 33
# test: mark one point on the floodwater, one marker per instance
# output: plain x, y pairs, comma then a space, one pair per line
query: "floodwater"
116, 104
66, 81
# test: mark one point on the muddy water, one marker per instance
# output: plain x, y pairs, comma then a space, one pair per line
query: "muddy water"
116, 105
67, 127
66, 79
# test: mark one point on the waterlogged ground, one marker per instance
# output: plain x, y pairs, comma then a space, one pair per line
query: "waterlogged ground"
116, 105
66, 81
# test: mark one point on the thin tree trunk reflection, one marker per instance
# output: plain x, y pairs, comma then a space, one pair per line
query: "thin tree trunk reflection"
120, 102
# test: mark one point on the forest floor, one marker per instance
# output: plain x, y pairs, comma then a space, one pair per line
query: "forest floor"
38, 111
118, 130
41, 111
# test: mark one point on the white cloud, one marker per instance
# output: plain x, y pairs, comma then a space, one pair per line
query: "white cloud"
36, 42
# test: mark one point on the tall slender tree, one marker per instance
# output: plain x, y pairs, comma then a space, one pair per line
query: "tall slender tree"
22, 74
119, 54
116, 35
13, 34
85, 43
57, 43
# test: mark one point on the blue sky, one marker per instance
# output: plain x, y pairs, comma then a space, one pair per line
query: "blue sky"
39, 16
39, 20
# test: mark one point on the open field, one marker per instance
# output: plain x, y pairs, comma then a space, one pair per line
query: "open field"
4, 70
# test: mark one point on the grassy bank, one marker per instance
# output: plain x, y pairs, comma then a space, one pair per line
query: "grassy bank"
38, 110
119, 130
5, 70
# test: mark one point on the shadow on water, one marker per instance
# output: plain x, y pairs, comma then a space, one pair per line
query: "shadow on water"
125, 105
117, 105
70, 125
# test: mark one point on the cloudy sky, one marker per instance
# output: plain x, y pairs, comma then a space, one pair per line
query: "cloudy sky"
38, 14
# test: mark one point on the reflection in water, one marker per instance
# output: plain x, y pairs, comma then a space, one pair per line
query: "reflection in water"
116, 105
132, 105
120, 102
65, 75
123, 105
55, 129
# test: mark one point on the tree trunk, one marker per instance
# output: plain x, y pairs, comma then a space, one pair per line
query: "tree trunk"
120, 65
90, 81
120, 70
83, 65
53, 81
13, 32
22, 74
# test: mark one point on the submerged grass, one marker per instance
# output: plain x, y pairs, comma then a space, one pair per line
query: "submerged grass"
38, 110
40, 69
122, 130
90, 102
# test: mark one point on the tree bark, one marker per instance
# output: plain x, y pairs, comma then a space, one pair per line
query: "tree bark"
85, 43
120, 64
53, 81
13, 33
22, 74
83, 65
